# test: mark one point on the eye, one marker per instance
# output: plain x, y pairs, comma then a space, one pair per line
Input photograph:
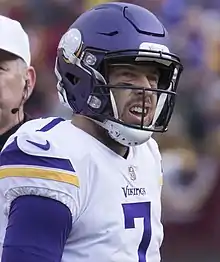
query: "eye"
153, 78
2, 68
127, 73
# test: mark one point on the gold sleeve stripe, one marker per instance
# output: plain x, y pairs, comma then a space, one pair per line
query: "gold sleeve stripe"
40, 173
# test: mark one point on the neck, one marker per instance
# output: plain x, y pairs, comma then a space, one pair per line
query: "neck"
93, 129
15, 120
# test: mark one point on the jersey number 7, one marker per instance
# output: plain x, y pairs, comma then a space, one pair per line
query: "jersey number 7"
139, 210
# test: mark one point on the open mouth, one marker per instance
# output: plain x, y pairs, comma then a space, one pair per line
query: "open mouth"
137, 110
137, 114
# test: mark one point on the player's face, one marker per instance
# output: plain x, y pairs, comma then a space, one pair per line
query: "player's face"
130, 101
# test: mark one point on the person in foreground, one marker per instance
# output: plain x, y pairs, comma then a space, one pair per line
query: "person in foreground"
17, 77
88, 189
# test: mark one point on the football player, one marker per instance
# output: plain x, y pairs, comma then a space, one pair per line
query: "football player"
89, 189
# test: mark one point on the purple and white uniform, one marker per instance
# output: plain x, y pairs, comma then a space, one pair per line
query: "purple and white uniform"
114, 202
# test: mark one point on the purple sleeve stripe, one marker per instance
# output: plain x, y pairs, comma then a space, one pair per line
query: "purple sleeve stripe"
12, 155
51, 124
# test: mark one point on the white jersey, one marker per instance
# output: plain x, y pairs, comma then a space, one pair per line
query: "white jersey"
115, 202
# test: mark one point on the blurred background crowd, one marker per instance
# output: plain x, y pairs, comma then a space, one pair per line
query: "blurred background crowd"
191, 147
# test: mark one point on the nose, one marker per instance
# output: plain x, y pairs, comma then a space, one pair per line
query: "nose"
141, 83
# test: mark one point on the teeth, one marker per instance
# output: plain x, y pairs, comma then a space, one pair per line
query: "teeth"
138, 109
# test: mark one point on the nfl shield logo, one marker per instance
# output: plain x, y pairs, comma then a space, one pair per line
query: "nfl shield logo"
131, 172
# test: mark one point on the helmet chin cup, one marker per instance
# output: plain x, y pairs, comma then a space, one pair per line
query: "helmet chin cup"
125, 135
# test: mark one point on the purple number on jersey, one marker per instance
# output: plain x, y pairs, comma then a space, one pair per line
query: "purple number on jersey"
139, 210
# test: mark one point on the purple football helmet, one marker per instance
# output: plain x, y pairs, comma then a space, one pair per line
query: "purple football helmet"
111, 34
